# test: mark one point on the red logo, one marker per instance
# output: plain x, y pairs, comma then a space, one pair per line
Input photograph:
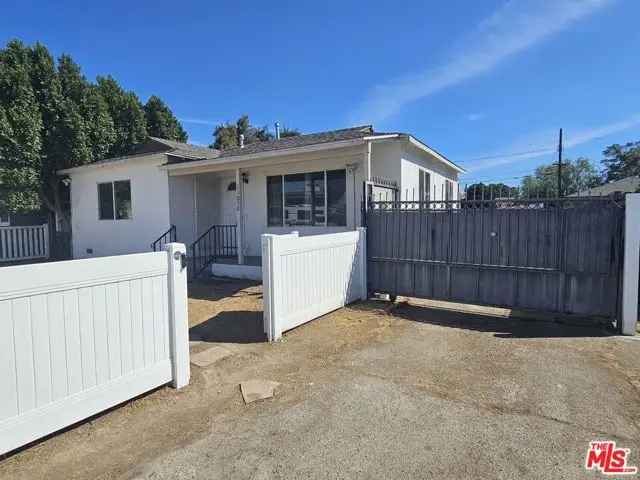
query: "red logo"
605, 457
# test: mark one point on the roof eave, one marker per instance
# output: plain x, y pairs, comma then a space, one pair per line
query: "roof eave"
422, 146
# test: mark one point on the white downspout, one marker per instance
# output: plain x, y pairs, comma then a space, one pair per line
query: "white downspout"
239, 218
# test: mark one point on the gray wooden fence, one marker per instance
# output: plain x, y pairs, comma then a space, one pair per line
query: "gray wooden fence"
550, 255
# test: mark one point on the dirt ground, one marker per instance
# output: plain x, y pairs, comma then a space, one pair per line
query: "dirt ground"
374, 390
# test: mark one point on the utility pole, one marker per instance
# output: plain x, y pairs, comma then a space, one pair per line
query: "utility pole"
560, 165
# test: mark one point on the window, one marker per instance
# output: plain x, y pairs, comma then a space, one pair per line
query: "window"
4, 220
424, 185
449, 190
274, 201
114, 200
307, 199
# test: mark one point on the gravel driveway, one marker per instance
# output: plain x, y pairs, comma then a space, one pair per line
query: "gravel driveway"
370, 391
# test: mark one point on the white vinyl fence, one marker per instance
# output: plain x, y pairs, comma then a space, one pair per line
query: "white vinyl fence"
306, 277
81, 336
24, 243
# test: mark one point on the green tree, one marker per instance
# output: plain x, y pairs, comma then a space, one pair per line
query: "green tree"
227, 135
577, 175
490, 191
52, 118
161, 122
127, 114
621, 161
20, 132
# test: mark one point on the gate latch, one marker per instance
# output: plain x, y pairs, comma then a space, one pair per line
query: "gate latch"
183, 259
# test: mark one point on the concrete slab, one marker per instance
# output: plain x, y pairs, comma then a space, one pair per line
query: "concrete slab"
253, 390
209, 356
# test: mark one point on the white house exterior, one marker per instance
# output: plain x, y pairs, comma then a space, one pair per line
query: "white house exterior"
120, 206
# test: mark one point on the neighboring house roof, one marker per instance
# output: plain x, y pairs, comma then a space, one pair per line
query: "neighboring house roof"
626, 185
181, 153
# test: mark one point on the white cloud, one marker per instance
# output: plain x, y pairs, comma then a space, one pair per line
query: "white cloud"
545, 143
474, 117
199, 121
513, 28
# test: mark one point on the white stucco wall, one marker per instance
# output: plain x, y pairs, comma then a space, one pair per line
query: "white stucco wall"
412, 161
255, 198
182, 212
149, 201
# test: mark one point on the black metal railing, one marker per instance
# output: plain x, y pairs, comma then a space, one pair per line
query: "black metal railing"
218, 241
167, 237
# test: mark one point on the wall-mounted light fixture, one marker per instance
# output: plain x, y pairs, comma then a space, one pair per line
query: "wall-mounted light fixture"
245, 177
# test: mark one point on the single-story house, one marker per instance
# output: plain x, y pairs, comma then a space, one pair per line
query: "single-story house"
311, 183
624, 185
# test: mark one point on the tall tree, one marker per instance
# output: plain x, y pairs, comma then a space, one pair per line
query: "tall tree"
52, 118
227, 135
127, 114
577, 175
161, 122
20, 132
621, 161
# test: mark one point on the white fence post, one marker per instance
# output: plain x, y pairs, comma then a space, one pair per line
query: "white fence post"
631, 270
178, 314
268, 288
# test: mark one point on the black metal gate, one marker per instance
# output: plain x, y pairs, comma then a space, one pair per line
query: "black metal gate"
554, 255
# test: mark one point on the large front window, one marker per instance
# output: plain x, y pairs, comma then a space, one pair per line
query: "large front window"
307, 199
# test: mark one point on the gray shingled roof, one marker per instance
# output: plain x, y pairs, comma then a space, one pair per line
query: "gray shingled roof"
626, 185
293, 142
198, 151
185, 152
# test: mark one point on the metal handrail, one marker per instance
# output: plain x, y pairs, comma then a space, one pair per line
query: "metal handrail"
217, 241
162, 239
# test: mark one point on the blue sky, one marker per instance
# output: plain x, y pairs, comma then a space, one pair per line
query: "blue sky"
475, 80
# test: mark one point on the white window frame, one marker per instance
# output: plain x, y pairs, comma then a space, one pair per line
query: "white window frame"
326, 200
113, 199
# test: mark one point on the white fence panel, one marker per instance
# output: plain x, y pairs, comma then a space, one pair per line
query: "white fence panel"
307, 277
79, 337
24, 243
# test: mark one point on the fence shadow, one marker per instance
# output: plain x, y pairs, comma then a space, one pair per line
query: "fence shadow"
230, 327
501, 327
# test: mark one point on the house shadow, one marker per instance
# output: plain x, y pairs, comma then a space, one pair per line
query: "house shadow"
505, 327
230, 327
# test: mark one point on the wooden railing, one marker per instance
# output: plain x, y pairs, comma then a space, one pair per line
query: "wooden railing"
24, 243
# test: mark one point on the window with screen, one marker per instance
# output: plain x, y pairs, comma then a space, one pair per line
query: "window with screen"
336, 198
424, 185
307, 199
274, 201
449, 190
114, 200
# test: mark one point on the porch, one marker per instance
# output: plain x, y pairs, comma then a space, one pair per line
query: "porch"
251, 269
221, 212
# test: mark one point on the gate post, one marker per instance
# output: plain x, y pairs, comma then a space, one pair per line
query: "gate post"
631, 268
178, 314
